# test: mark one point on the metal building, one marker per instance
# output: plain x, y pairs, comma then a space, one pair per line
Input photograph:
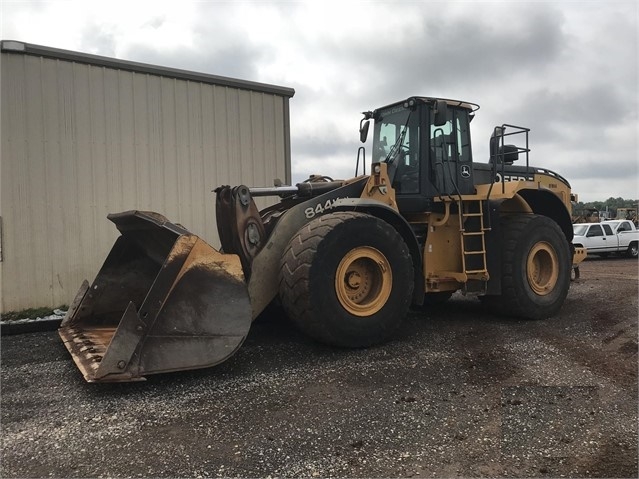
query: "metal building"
83, 136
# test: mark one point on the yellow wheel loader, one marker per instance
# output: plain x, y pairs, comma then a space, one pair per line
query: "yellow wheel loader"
346, 258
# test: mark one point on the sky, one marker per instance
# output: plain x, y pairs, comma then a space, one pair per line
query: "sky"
565, 69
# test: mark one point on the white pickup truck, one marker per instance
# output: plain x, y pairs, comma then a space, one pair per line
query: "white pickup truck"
613, 236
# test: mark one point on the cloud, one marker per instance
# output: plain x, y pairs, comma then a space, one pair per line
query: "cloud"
229, 60
567, 70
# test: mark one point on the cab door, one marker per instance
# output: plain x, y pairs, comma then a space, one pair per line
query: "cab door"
451, 167
597, 242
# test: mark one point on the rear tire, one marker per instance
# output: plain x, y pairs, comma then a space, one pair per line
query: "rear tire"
536, 268
633, 250
346, 279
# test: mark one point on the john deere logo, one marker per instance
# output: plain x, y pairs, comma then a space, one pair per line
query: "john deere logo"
465, 171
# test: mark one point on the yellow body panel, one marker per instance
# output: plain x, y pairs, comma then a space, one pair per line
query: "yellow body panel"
442, 255
379, 186
579, 256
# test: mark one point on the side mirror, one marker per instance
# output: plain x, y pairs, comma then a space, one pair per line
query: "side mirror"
363, 129
441, 113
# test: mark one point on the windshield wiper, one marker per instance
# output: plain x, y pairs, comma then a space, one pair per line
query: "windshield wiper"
392, 154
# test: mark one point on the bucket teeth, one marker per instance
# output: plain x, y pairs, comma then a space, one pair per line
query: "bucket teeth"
88, 350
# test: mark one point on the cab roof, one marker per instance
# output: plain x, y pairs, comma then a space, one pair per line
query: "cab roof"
472, 107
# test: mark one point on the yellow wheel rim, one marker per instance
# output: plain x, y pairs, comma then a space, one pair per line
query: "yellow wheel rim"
542, 268
363, 281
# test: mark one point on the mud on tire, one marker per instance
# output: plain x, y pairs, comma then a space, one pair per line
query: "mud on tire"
346, 279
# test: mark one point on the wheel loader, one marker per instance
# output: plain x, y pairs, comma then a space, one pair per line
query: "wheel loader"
346, 258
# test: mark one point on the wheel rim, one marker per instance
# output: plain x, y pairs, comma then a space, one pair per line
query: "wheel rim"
363, 281
542, 268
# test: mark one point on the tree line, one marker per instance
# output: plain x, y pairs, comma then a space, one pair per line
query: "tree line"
611, 204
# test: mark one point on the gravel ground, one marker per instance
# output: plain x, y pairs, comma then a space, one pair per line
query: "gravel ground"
459, 393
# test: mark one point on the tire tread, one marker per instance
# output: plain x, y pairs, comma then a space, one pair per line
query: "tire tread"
295, 273
511, 301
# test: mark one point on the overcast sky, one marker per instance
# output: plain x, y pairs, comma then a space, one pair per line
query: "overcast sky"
565, 69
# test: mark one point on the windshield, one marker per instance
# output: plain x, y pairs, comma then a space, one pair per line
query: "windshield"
580, 230
390, 136
396, 142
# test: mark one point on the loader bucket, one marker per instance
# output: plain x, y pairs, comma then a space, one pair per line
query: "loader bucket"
164, 300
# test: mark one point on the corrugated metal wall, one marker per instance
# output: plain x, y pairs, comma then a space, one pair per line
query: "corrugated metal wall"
80, 141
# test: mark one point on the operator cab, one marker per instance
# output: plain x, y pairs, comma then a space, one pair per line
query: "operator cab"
426, 144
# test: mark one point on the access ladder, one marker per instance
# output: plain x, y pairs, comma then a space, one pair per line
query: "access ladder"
473, 245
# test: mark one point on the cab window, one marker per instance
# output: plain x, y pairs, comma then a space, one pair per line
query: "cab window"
452, 144
595, 230
396, 141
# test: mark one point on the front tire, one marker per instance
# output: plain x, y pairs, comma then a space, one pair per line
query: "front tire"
536, 267
633, 250
346, 279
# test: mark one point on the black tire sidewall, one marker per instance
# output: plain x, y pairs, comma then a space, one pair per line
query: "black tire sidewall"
342, 327
538, 229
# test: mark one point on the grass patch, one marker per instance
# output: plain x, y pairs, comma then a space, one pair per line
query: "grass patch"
30, 313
